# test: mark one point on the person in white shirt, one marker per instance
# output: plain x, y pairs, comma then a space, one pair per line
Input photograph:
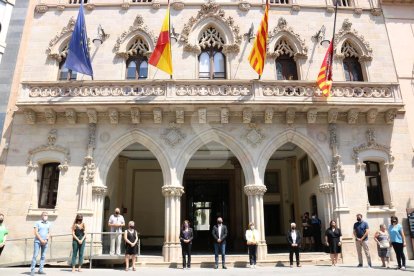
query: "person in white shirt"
294, 239
252, 238
116, 222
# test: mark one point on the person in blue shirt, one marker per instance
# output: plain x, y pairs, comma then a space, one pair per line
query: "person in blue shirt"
397, 238
41, 240
361, 231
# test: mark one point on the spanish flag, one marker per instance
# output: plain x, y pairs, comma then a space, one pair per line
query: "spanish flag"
161, 57
324, 80
257, 56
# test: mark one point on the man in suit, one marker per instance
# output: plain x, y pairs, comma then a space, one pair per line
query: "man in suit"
294, 239
220, 235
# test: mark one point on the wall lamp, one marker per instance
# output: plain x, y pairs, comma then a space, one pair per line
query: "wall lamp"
101, 37
250, 35
173, 34
320, 37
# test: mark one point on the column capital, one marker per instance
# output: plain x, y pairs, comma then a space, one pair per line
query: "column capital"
251, 190
169, 191
99, 190
326, 188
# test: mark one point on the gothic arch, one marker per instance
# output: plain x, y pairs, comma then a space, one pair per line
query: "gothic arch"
59, 42
219, 136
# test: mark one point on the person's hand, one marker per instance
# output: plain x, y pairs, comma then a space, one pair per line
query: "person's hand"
294, 245
358, 239
80, 241
404, 244
1, 245
339, 243
327, 244
219, 241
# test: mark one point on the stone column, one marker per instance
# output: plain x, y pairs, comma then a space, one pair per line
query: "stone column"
122, 178
238, 198
172, 248
327, 190
256, 215
98, 196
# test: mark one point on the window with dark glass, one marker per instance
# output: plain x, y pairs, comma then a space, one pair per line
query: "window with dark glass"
272, 219
374, 184
286, 68
212, 64
65, 73
304, 169
49, 185
343, 3
279, 1
352, 68
272, 181
137, 67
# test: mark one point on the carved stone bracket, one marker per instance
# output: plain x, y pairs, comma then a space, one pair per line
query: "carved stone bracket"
156, 4
179, 116
332, 115
247, 115
244, 6
252, 190
135, 115
326, 188
224, 115
311, 116
253, 135
268, 117
353, 116
30, 116
54, 51
290, 115
41, 8
71, 116
92, 116
173, 135
50, 116
178, 5
168, 191
157, 113
113, 116
372, 115
202, 115
390, 116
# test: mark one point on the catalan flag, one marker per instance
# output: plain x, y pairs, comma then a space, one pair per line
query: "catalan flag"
161, 57
257, 56
324, 80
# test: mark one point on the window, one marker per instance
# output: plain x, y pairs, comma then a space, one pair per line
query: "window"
374, 184
272, 181
304, 169
285, 64
343, 3
65, 73
272, 219
279, 1
314, 204
137, 63
351, 64
141, 1
78, 1
212, 62
49, 185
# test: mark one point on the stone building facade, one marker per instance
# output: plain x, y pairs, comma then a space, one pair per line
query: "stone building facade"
214, 140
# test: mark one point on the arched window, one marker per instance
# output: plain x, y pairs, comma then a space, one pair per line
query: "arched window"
49, 185
374, 183
137, 63
285, 64
343, 3
65, 73
212, 62
352, 66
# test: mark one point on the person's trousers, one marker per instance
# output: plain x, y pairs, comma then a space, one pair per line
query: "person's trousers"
115, 241
1, 249
220, 247
77, 249
252, 253
37, 246
294, 249
363, 245
399, 253
186, 251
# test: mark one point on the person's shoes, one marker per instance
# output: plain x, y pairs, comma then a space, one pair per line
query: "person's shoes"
188, 267
370, 265
32, 272
299, 265
224, 267
41, 272
291, 266
254, 266
216, 267
403, 268
360, 265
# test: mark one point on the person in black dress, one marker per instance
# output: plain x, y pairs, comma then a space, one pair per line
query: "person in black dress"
186, 239
131, 245
333, 239
307, 232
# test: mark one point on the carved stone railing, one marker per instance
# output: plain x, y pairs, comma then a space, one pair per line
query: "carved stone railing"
205, 91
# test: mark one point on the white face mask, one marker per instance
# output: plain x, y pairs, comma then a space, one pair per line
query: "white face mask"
45, 218
252, 227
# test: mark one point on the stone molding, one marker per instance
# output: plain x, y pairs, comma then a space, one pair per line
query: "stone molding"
253, 135
170, 191
255, 190
54, 50
99, 190
173, 135
326, 188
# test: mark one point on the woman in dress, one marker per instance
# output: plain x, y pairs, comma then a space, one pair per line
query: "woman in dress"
307, 232
186, 239
78, 241
382, 239
131, 245
333, 239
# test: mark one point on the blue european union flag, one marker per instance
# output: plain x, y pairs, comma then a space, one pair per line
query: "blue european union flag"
78, 58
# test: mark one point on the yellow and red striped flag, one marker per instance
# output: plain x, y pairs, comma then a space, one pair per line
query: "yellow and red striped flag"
324, 80
257, 56
161, 57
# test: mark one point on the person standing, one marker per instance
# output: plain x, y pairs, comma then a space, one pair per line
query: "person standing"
316, 226
397, 238
3, 233
186, 239
41, 232
382, 239
307, 232
220, 234
294, 239
78, 241
116, 222
361, 231
333, 239
131, 245
252, 238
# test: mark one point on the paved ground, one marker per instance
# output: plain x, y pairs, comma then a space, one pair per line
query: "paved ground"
309, 270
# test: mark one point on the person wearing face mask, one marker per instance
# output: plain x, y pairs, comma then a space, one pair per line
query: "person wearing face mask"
3, 233
397, 238
220, 234
78, 241
316, 224
41, 232
333, 239
252, 238
186, 239
361, 231
294, 239
116, 222
131, 245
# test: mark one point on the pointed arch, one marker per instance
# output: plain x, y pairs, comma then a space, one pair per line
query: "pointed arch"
57, 45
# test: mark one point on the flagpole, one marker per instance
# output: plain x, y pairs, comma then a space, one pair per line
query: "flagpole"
169, 31
334, 29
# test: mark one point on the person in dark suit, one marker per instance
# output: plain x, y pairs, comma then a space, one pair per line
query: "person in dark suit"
220, 234
294, 239
186, 239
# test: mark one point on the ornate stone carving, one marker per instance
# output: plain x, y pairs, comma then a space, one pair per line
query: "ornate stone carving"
202, 115
50, 146
372, 145
244, 6
156, 4
70, 114
332, 115
60, 7
253, 135
53, 50
333, 141
353, 116
295, 8
99, 190
173, 135
157, 112
311, 116
253, 190
247, 115
50, 116
376, 11
30, 116
135, 115
336, 167
125, 5
41, 8
268, 117
326, 188
92, 116
224, 115
372, 115
290, 115
87, 174
113, 116
168, 191
213, 90
358, 11
90, 6
178, 5
390, 116
179, 116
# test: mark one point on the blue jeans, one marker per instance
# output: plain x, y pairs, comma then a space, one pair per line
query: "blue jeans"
220, 247
36, 248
